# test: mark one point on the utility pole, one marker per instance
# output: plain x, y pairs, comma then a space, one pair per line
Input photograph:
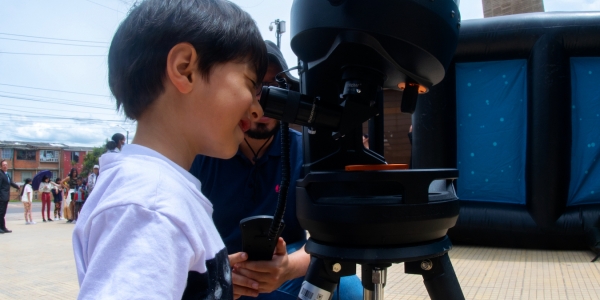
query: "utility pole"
279, 29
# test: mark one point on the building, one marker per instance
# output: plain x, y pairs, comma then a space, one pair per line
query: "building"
72, 157
492, 8
26, 159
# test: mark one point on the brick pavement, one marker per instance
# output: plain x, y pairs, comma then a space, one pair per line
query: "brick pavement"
36, 262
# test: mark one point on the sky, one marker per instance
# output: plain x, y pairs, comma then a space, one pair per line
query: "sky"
53, 69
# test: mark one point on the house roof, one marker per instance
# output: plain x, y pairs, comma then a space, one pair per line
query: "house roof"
34, 145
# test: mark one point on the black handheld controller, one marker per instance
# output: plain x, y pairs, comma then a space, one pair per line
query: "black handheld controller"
255, 237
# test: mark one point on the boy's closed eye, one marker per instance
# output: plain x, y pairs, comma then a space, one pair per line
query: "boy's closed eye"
257, 87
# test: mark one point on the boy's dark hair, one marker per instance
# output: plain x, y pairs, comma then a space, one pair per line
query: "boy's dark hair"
219, 31
27, 180
117, 137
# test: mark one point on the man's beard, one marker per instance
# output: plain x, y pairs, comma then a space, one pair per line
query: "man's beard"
262, 132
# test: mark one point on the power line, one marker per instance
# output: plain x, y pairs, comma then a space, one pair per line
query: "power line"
61, 118
45, 114
62, 110
47, 38
38, 100
104, 6
53, 43
43, 89
50, 54
75, 102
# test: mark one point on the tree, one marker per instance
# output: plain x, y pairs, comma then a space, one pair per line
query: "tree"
91, 159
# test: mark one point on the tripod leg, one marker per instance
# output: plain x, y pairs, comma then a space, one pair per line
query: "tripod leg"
438, 276
322, 277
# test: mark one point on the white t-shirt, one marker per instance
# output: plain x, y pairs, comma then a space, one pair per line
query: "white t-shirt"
146, 232
25, 197
45, 187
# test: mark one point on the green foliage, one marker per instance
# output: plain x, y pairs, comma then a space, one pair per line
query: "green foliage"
90, 160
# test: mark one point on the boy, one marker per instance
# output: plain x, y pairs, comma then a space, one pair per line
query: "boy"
188, 71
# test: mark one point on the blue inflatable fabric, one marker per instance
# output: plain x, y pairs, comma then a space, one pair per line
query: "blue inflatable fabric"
584, 187
491, 107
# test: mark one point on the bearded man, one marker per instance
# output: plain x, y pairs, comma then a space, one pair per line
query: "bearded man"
248, 185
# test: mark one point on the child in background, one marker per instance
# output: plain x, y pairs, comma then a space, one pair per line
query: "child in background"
189, 72
27, 199
79, 198
57, 192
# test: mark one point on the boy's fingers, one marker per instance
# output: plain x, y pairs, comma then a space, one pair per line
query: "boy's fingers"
280, 248
244, 286
237, 258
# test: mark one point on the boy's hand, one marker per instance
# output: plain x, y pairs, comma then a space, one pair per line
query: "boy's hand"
269, 274
242, 286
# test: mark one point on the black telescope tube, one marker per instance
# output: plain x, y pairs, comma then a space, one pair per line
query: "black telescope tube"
293, 107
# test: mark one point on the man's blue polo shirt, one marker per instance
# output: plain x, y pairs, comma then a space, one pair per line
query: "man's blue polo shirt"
238, 189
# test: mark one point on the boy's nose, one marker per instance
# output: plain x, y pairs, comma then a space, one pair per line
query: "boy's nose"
256, 111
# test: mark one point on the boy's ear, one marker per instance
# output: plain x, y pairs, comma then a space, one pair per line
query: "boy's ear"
181, 64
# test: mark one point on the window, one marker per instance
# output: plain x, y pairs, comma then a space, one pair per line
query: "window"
75, 157
25, 175
49, 156
54, 175
7, 153
26, 154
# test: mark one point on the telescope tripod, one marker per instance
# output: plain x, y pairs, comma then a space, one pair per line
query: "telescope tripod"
429, 259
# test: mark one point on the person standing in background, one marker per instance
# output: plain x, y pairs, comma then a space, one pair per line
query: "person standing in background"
57, 192
119, 140
70, 182
45, 187
5, 183
92, 178
27, 198
79, 198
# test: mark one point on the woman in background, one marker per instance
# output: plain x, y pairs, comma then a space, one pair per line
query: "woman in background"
70, 182
46, 186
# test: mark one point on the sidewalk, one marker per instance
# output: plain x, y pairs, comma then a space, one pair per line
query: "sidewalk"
36, 262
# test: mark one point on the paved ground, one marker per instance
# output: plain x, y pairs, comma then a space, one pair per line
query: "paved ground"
36, 262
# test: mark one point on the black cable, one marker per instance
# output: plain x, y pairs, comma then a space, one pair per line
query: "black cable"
285, 175
285, 181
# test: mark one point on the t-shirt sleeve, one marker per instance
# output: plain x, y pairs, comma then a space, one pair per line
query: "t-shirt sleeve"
134, 253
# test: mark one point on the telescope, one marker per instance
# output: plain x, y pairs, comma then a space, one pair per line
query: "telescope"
349, 51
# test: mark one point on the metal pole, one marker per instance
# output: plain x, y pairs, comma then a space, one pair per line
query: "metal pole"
278, 39
379, 281
378, 278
